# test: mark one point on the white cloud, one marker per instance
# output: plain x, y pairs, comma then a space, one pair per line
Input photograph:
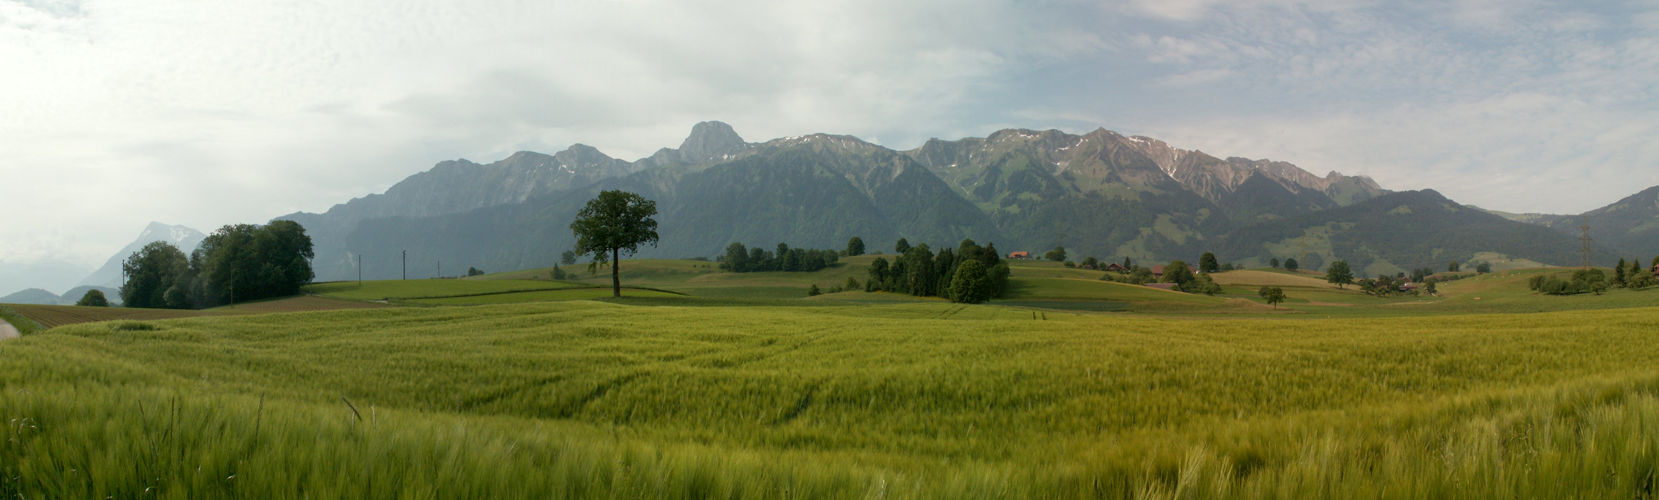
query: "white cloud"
207, 113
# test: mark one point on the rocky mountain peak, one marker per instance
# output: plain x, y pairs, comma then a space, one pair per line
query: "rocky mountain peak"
709, 140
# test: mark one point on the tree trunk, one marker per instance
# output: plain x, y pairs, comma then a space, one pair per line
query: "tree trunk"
616, 273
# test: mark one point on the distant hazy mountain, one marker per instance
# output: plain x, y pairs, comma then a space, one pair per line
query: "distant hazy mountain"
51, 275
109, 276
46, 298
33, 296
1100, 194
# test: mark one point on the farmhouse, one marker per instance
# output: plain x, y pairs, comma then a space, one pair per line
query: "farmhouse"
1158, 271
1019, 255
1115, 267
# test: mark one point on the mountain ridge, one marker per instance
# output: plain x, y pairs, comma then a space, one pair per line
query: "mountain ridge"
1100, 193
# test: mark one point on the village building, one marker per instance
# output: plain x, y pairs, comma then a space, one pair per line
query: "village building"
1019, 255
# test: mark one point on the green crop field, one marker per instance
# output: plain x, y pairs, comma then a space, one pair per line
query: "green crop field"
899, 399
705, 384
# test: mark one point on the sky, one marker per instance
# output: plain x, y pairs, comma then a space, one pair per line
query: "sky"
205, 113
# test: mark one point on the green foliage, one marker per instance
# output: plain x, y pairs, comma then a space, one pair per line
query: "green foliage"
1429, 286
1058, 254
1339, 274
1202, 284
613, 223
1291, 264
1273, 295
813, 291
740, 259
1207, 263
851, 284
855, 246
1178, 272
568, 258
1483, 268
1274, 263
1091, 263
473, 271
970, 284
1618, 273
151, 273
901, 246
1581, 281
93, 298
1453, 267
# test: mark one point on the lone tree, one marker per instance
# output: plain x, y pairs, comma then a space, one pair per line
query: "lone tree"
614, 222
1291, 265
93, 298
1274, 262
855, 247
1339, 274
1207, 263
1273, 295
568, 258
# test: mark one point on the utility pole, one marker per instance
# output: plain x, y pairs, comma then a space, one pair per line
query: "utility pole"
440, 269
1585, 238
405, 264
1303, 260
359, 270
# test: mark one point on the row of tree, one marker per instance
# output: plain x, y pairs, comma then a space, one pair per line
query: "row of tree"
1633, 275
741, 259
236, 263
968, 274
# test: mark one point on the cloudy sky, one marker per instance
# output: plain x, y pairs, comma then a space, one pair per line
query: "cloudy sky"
204, 113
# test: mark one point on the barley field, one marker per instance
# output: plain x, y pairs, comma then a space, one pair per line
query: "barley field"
582, 399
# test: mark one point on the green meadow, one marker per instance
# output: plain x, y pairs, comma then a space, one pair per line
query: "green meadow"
700, 385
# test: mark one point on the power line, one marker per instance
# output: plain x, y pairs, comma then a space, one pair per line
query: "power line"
1586, 239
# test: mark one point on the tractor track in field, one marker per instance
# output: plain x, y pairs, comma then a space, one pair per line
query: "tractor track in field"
7, 331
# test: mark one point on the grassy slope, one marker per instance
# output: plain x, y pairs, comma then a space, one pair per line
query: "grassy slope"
611, 401
428, 289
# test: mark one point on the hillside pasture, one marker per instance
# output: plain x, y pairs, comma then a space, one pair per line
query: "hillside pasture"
904, 400
542, 296
429, 288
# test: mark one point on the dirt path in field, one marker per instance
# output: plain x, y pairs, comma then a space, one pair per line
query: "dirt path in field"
7, 331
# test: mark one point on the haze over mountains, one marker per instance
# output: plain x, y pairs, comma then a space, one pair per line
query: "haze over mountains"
1100, 193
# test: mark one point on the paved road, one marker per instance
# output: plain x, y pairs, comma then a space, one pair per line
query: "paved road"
7, 331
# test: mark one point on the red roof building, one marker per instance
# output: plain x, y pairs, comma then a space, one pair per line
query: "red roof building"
1158, 270
1115, 267
1019, 255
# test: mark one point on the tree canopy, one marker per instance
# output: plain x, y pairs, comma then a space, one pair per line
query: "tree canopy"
1273, 295
611, 224
855, 246
1339, 274
237, 263
1207, 263
93, 298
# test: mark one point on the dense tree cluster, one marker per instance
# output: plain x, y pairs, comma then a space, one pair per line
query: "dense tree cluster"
236, 263
742, 259
1582, 281
949, 274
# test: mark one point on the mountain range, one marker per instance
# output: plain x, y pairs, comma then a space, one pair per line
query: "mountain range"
1099, 194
